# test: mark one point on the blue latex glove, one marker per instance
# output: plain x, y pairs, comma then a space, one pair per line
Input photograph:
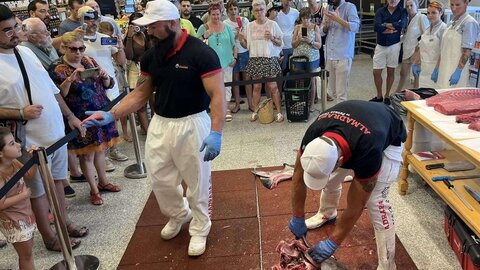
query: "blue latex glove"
298, 227
97, 118
323, 250
416, 70
434, 76
455, 76
212, 143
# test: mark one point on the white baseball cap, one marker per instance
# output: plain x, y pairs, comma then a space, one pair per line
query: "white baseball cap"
158, 10
318, 161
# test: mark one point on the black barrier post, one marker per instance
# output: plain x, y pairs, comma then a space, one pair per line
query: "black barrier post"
70, 263
323, 88
134, 171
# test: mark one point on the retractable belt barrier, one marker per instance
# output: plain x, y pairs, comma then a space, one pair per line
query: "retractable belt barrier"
294, 76
54, 147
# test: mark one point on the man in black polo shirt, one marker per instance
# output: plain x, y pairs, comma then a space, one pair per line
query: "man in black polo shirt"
359, 136
187, 77
390, 21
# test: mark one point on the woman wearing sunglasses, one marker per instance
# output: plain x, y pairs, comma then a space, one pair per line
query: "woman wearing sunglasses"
82, 84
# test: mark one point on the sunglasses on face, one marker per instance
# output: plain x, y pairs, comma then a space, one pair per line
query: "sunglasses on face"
76, 49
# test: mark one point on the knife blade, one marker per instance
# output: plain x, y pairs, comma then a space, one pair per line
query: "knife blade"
473, 193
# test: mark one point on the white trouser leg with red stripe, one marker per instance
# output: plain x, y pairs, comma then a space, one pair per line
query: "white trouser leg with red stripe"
172, 155
380, 210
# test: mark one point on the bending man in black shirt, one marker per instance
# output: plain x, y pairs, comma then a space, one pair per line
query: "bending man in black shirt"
187, 77
359, 136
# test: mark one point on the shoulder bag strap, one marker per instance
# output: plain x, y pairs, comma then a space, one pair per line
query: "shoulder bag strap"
24, 74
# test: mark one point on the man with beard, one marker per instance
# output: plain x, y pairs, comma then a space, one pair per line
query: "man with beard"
39, 41
186, 76
186, 12
44, 122
39, 9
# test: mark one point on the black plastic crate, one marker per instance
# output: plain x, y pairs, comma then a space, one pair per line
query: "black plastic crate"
296, 104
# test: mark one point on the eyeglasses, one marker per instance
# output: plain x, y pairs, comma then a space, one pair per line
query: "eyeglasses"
76, 49
17, 29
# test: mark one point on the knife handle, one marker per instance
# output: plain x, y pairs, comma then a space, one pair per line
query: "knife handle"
434, 166
441, 178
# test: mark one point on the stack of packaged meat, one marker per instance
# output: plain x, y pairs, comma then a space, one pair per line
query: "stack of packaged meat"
464, 103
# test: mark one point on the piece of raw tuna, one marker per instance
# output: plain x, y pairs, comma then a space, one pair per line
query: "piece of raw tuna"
461, 94
294, 256
475, 125
458, 107
468, 118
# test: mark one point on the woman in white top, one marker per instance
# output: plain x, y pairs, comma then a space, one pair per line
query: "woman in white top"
428, 52
239, 24
262, 36
456, 46
417, 23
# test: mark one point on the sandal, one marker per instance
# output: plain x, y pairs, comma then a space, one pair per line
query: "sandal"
228, 116
127, 139
55, 245
96, 199
109, 188
236, 109
76, 231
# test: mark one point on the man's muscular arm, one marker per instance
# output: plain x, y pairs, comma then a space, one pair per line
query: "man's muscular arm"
358, 195
135, 99
464, 58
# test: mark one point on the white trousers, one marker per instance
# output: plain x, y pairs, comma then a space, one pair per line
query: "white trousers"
227, 77
339, 74
379, 207
172, 155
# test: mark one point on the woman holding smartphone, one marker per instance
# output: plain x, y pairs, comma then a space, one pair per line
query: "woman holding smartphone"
83, 85
307, 42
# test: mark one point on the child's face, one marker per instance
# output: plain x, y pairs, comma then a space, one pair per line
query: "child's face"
12, 149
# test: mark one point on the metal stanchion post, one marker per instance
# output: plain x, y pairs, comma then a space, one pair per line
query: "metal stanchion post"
324, 76
70, 262
135, 170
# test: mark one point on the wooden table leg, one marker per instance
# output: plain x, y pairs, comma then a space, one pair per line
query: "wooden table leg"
403, 183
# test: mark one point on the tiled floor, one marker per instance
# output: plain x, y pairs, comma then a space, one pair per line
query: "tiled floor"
418, 215
248, 223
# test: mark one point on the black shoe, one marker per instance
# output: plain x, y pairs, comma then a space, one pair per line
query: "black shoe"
386, 101
3, 243
375, 99
76, 179
69, 192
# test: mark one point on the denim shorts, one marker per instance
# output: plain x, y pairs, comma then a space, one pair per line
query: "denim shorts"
242, 62
305, 66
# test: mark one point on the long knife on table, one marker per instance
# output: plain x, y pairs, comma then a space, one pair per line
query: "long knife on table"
452, 188
472, 192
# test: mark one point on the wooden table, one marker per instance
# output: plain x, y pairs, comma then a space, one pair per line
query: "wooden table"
459, 152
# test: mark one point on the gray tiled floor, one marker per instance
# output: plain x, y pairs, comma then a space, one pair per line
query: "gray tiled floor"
418, 215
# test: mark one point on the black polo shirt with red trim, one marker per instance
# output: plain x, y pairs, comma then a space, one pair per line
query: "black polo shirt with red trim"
178, 83
363, 131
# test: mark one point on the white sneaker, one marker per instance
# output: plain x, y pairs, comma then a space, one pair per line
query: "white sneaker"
348, 178
116, 155
318, 220
109, 167
173, 227
197, 245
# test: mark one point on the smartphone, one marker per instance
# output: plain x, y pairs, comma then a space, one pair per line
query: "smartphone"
304, 31
89, 73
84, 27
108, 41
239, 22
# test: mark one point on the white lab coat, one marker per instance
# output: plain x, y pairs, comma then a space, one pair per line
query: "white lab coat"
429, 53
451, 52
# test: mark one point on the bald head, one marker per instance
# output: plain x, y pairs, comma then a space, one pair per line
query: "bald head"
37, 32
93, 4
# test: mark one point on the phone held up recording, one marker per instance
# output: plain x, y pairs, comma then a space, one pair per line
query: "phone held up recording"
89, 73
239, 22
304, 31
108, 41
